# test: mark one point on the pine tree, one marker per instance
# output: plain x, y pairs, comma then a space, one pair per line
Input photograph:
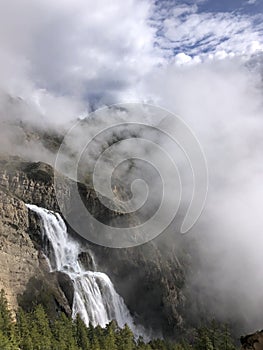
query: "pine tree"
126, 339
214, 334
34, 331
202, 340
5, 343
82, 334
109, 341
157, 344
95, 345
7, 329
226, 341
141, 345
5, 316
23, 331
41, 333
64, 333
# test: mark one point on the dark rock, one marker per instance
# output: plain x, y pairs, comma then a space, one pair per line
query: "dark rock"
66, 286
252, 341
87, 260
44, 289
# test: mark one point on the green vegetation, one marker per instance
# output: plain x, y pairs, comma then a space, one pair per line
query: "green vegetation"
34, 331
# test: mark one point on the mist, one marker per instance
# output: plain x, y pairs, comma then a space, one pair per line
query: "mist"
219, 96
223, 102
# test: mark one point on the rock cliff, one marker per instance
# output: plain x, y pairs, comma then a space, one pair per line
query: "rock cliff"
252, 341
150, 283
24, 273
18, 257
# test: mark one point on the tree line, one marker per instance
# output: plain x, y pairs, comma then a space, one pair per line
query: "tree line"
35, 331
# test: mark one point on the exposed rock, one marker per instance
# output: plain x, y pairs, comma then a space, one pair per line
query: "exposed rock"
18, 257
149, 282
87, 260
44, 289
24, 271
30, 182
253, 341
33, 183
66, 286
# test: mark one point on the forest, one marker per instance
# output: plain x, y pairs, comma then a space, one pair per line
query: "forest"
34, 331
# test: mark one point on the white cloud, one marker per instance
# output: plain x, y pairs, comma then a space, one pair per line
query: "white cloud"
180, 10
88, 50
222, 101
182, 58
99, 52
185, 29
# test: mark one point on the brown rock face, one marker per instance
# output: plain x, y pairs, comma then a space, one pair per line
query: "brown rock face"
252, 341
30, 182
24, 274
18, 257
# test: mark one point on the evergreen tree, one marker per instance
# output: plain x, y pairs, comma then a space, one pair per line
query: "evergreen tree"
109, 341
34, 331
7, 329
214, 337
141, 345
125, 339
23, 330
215, 334
158, 344
202, 340
5, 343
82, 334
226, 339
41, 333
5, 316
95, 345
64, 334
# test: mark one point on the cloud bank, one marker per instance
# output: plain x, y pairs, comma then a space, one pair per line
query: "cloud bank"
223, 103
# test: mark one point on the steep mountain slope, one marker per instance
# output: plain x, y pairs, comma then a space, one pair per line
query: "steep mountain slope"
149, 282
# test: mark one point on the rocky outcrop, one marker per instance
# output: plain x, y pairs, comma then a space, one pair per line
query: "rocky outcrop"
31, 182
34, 183
253, 341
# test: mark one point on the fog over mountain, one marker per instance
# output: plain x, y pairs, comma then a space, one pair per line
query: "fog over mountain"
61, 60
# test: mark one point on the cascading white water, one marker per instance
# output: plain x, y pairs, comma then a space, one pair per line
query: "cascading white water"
95, 298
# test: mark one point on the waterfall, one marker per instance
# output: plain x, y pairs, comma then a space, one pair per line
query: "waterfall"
95, 298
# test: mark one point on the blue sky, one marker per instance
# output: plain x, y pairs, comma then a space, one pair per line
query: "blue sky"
200, 28
241, 6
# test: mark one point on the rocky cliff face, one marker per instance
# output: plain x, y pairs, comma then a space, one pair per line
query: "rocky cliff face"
149, 282
252, 341
24, 273
18, 257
